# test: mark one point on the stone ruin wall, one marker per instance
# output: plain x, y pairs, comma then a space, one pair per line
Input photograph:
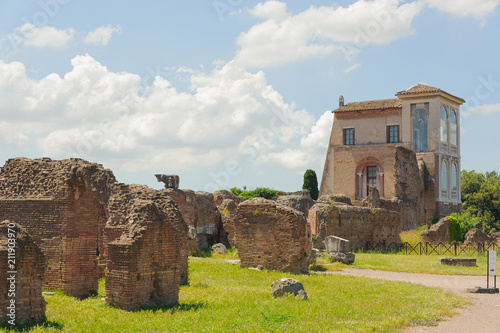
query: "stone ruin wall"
274, 236
409, 189
438, 233
427, 163
199, 211
61, 213
29, 267
148, 262
357, 224
65, 206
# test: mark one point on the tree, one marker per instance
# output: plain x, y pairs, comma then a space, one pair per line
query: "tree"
481, 199
311, 183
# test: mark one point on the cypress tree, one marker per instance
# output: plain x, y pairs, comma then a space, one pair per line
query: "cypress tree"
311, 183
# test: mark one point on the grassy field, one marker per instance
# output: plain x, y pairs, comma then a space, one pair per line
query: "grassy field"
225, 298
408, 263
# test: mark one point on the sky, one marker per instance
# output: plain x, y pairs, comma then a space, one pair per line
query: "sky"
231, 93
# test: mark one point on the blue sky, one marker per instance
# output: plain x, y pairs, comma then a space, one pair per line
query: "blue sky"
232, 92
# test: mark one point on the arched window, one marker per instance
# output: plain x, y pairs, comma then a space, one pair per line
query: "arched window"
453, 127
444, 176
444, 125
419, 118
369, 173
454, 178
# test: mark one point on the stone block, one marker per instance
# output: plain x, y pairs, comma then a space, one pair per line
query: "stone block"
288, 286
170, 181
346, 258
470, 262
336, 244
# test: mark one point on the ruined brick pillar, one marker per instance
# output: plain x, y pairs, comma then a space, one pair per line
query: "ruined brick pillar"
21, 274
145, 264
274, 236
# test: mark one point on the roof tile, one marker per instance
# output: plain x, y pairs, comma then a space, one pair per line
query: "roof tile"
394, 103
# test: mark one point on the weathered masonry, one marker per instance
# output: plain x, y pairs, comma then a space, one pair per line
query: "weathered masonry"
21, 298
363, 151
274, 236
78, 214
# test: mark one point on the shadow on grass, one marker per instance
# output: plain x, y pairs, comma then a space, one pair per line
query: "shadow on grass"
202, 253
29, 326
173, 308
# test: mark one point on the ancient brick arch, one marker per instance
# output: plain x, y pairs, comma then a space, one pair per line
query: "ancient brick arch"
362, 171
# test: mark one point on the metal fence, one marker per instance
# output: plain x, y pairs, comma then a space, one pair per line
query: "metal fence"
420, 248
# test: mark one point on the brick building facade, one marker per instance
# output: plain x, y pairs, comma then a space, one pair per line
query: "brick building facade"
366, 138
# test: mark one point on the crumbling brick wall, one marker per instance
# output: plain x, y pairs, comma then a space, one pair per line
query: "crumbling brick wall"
198, 210
300, 200
359, 225
438, 233
27, 261
62, 205
227, 203
74, 208
274, 236
409, 187
148, 262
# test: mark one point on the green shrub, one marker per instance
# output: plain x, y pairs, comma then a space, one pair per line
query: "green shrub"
262, 192
434, 220
317, 268
467, 222
455, 231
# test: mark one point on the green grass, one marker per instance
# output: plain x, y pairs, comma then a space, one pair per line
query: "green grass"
412, 236
408, 263
225, 298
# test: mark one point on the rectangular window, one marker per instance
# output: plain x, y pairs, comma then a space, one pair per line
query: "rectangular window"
392, 133
349, 136
371, 177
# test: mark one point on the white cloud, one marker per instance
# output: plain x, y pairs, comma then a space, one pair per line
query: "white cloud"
482, 109
41, 37
11, 137
102, 35
319, 31
104, 116
478, 9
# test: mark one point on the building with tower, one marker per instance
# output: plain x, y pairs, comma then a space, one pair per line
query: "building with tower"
368, 137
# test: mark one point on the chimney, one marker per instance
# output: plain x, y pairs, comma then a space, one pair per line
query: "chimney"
341, 101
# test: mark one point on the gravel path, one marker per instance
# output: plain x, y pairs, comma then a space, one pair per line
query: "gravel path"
483, 316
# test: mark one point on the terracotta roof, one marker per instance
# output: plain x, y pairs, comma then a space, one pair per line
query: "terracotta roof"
371, 105
424, 89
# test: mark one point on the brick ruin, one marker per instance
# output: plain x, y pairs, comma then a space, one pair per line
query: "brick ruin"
272, 235
148, 262
438, 233
74, 210
227, 203
28, 263
200, 212
359, 225
80, 216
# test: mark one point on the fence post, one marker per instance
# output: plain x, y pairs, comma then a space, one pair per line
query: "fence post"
426, 247
455, 246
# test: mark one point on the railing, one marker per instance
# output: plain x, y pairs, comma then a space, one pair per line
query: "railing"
420, 248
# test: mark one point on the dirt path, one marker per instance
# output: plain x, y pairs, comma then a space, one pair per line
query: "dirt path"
483, 316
